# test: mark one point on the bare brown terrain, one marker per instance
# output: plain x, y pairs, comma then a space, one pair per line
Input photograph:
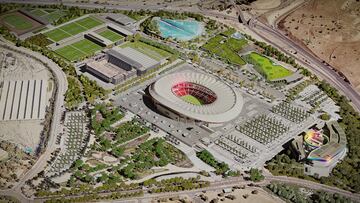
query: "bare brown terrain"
330, 29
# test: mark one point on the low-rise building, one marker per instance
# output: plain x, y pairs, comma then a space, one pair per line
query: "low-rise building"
121, 19
128, 58
109, 72
321, 152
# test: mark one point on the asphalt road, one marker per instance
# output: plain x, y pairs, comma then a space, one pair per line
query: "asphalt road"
230, 182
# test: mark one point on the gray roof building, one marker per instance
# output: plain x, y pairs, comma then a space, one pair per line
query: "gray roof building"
134, 58
121, 19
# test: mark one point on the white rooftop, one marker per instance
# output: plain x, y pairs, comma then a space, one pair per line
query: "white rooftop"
134, 57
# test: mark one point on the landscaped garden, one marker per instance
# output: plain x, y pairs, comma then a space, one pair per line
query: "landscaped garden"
266, 67
207, 157
226, 47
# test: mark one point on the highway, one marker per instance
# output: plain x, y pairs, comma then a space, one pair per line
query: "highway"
230, 182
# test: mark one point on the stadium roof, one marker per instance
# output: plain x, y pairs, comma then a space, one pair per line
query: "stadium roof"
133, 57
227, 106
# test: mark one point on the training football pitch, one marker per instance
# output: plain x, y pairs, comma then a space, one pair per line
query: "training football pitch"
16, 21
266, 67
111, 35
78, 50
73, 28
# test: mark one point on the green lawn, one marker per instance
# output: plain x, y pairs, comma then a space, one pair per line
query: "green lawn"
226, 48
16, 21
78, 50
192, 100
148, 50
72, 28
57, 35
70, 53
266, 67
87, 46
111, 35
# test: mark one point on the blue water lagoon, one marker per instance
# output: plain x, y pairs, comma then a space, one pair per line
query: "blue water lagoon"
183, 30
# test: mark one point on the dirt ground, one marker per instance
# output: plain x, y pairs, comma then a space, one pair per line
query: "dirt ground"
331, 29
16, 66
247, 195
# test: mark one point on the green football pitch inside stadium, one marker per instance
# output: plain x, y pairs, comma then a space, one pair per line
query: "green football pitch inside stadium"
192, 100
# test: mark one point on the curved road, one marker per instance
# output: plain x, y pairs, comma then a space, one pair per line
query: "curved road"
61, 81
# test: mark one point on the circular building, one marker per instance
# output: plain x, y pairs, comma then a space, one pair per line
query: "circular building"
195, 97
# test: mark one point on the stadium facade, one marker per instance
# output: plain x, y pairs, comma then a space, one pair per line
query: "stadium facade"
211, 100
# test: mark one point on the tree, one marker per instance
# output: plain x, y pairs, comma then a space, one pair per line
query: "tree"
325, 116
256, 175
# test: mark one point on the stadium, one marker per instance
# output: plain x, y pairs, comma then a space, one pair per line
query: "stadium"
195, 97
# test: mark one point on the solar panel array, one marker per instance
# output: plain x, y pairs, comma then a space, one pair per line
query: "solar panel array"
23, 100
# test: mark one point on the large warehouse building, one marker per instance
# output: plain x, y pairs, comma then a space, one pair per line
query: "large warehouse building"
195, 97
120, 64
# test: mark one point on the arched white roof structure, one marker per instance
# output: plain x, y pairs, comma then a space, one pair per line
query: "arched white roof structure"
225, 105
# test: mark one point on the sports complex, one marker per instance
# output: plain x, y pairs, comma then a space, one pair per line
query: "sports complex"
195, 97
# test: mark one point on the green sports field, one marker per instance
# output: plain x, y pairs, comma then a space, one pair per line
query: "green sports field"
111, 35
73, 28
78, 50
16, 21
192, 100
57, 35
148, 50
89, 22
266, 67
226, 47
